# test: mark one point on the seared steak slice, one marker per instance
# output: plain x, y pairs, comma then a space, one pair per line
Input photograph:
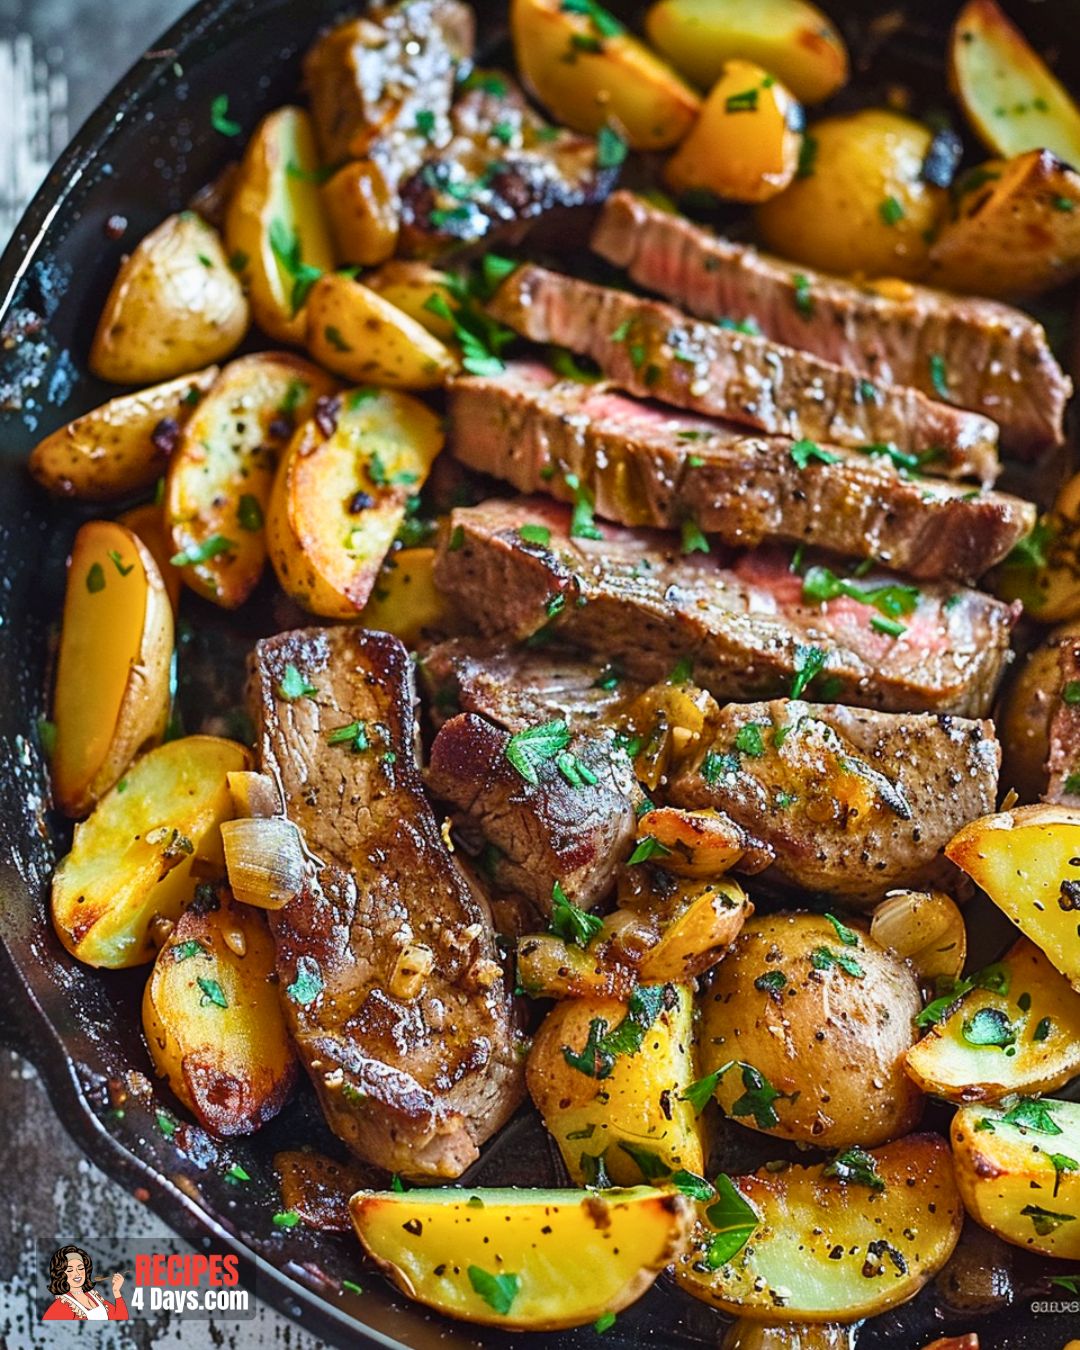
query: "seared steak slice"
647, 465
656, 351
630, 598
992, 358
573, 826
504, 166
851, 802
1063, 760
413, 1079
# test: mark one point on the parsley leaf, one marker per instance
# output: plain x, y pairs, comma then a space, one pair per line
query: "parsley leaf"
809, 663
802, 452
293, 685
611, 147
647, 848
734, 1220
308, 984
528, 748
856, 1165
497, 1291
582, 525
989, 1026
210, 547
220, 120
212, 992
569, 922
596, 1059
287, 249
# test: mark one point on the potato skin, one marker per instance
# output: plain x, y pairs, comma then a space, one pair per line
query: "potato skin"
836, 1039
176, 305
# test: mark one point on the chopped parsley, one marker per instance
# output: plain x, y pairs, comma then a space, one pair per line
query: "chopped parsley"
95, 578
733, 1219
212, 992
1030, 1113
824, 958
118, 562
497, 1291
1043, 1030
744, 101
287, 1218
807, 157
425, 123
582, 525
532, 534
856, 1165
693, 541
802, 452
211, 547
820, 584
597, 1057
804, 300
771, 982
1070, 694
576, 773
604, 1322
292, 685
220, 120
939, 378
308, 984
989, 1026
611, 147
648, 848
287, 249
890, 211
528, 748
809, 663
354, 735
571, 923
249, 514
847, 935
1045, 1221
748, 740
715, 766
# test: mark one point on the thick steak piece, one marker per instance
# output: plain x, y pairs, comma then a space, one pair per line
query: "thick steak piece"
413, 1080
851, 802
573, 826
656, 351
741, 621
644, 464
990, 358
1063, 760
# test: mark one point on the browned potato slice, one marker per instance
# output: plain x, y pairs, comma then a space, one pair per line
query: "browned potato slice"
219, 480
925, 928
148, 523
1009, 95
410, 286
176, 305
112, 676
745, 1335
122, 447
693, 843
212, 1017
363, 212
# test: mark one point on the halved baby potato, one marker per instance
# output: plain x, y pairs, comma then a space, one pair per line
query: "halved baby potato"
364, 211
148, 523
695, 843
827, 1249
523, 1259
1018, 1169
274, 226
411, 286
176, 305
112, 676
790, 38
1024, 1039
925, 928
212, 1017
362, 336
340, 493
131, 861
219, 480
1010, 97
1027, 860
588, 72
122, 447
404, 600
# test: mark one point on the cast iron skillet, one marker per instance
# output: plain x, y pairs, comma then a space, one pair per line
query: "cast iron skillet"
141, 156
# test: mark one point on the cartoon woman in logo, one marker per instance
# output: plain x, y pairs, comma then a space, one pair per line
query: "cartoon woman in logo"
71, 1279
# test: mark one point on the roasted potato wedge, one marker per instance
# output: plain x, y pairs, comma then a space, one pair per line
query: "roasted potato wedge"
1028, 862
745, 145
530, 1260
410, 286
693, 843
588, 73
803, 1033
1018, 234
112, 675
219, 480
274, 226
148, 523
1023, 718
866, 207
1025, 1039
404, 601
363, 211
607, 1110
357, 333
213, 1021
1045, 572
122, 447
745, 1335
130, 862
340, 493
1011, 99
925, 928
176, 305
790, 38
813, 1239
1018, 1170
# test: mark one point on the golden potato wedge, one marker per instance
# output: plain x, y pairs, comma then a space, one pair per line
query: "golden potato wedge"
531, 1260
360, 335
790, 38
176, 305
746, 1335
404, 601
866, 207
218, 486
363, 210
745, 145
693, 843
130, 862
410, 286
1028, 862
339, 498
1010, 97
274, 227
1023, 717
1018, 235
1018, 1170
606, 1109
122, 447
925, 928
148, 523
112, 675
212, 1017
824, 1248
1025, 1038
587, 72
695, 921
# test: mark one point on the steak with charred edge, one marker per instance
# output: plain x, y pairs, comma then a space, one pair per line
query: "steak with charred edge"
741, 621
560, 829
647, 465
656, 351
851, 802
995, 359
415, 1084
1063, 760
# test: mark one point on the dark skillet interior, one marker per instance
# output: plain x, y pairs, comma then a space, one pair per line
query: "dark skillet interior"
142, 156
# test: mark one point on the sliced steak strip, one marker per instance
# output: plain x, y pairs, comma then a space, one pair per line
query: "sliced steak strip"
656, 351
1063, 760
629, 597
573, 826
412, 1080
647, 465
851, 802
993, 359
